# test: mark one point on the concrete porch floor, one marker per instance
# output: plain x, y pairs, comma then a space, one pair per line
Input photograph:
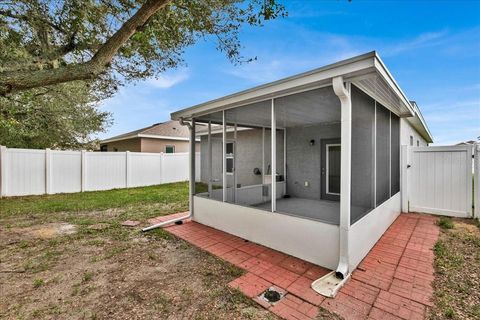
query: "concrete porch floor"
392, 282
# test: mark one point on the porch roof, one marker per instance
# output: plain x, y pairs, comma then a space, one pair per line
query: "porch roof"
366, 71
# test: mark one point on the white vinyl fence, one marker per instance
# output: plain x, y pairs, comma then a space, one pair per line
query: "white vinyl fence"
30, 172
440, 180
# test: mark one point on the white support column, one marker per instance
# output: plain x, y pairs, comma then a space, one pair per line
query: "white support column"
209, 163
285, 160
263, 155
84, 171
404, 177
343, 94
3, 171
224, 157
390, 155
235, 164
274, 159
191, 179
128, 161
375, 157
48, 171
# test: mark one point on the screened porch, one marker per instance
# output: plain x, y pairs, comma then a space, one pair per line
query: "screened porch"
304, 173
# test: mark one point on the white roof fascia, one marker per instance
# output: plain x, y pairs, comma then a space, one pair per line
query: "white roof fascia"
304, 81
151, 136
418, 122
387, 76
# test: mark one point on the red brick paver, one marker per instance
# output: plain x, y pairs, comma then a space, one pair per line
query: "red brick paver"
392, 282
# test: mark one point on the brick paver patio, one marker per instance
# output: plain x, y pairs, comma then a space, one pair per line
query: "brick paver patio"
392, 282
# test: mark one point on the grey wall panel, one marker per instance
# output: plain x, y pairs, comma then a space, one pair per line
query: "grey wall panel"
303, 159
383, 154
395, 154
363, 131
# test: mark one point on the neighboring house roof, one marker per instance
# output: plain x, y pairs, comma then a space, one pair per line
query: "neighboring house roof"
366, 71
466, 143
169, 130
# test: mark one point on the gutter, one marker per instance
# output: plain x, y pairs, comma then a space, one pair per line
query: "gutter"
191, 128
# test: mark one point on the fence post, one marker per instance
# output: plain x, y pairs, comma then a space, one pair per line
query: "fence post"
476, 172
469, 181
3, 171
128, 171
161, 168
48, 171
83, 168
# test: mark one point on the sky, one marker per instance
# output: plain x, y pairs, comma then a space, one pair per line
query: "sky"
432, 48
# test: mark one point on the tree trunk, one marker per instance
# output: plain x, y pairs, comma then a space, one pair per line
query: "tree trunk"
23, 80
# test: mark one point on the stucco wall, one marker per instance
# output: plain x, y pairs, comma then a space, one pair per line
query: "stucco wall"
132, 145
248, 156
303, 160
406, 130
158, 145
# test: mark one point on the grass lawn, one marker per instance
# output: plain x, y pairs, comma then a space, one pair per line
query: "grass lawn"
66, 256
457, 266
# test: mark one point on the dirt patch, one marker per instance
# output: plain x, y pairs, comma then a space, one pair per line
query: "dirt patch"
100, 271
457, 278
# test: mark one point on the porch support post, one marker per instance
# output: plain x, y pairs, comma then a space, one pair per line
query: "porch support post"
209, 164
235, 163
224, 157
274, 159
263, 155
192, 167
343, 94
285, 160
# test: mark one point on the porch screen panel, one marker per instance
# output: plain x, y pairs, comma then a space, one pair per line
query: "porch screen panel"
395, 154
363, 130
382, 154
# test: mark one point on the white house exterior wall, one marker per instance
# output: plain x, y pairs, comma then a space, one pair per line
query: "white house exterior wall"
407, 130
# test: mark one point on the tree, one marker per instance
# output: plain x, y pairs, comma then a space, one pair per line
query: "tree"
62, 116
45, 42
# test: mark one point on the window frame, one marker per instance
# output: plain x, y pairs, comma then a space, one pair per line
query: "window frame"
230, 156
170, 146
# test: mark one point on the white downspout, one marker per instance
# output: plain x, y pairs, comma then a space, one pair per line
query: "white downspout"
345, 174
191, 189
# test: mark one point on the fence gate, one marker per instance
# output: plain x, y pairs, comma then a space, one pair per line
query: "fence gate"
440, 180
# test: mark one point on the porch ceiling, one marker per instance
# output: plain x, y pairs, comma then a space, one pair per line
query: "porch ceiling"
300, 109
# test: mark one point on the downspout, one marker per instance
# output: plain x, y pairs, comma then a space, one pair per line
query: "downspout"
343, 94
192, 155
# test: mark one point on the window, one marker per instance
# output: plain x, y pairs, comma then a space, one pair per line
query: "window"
169, 149
115, 149
229, 157
104, 148
418, 143
230, 148
411, 141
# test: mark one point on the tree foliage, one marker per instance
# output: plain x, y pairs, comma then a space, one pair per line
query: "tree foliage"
63, 116
47, 42
58, 59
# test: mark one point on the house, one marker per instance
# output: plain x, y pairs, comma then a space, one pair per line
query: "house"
310, 165
167, 137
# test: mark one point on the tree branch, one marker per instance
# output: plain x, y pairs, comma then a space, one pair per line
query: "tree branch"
22, 80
